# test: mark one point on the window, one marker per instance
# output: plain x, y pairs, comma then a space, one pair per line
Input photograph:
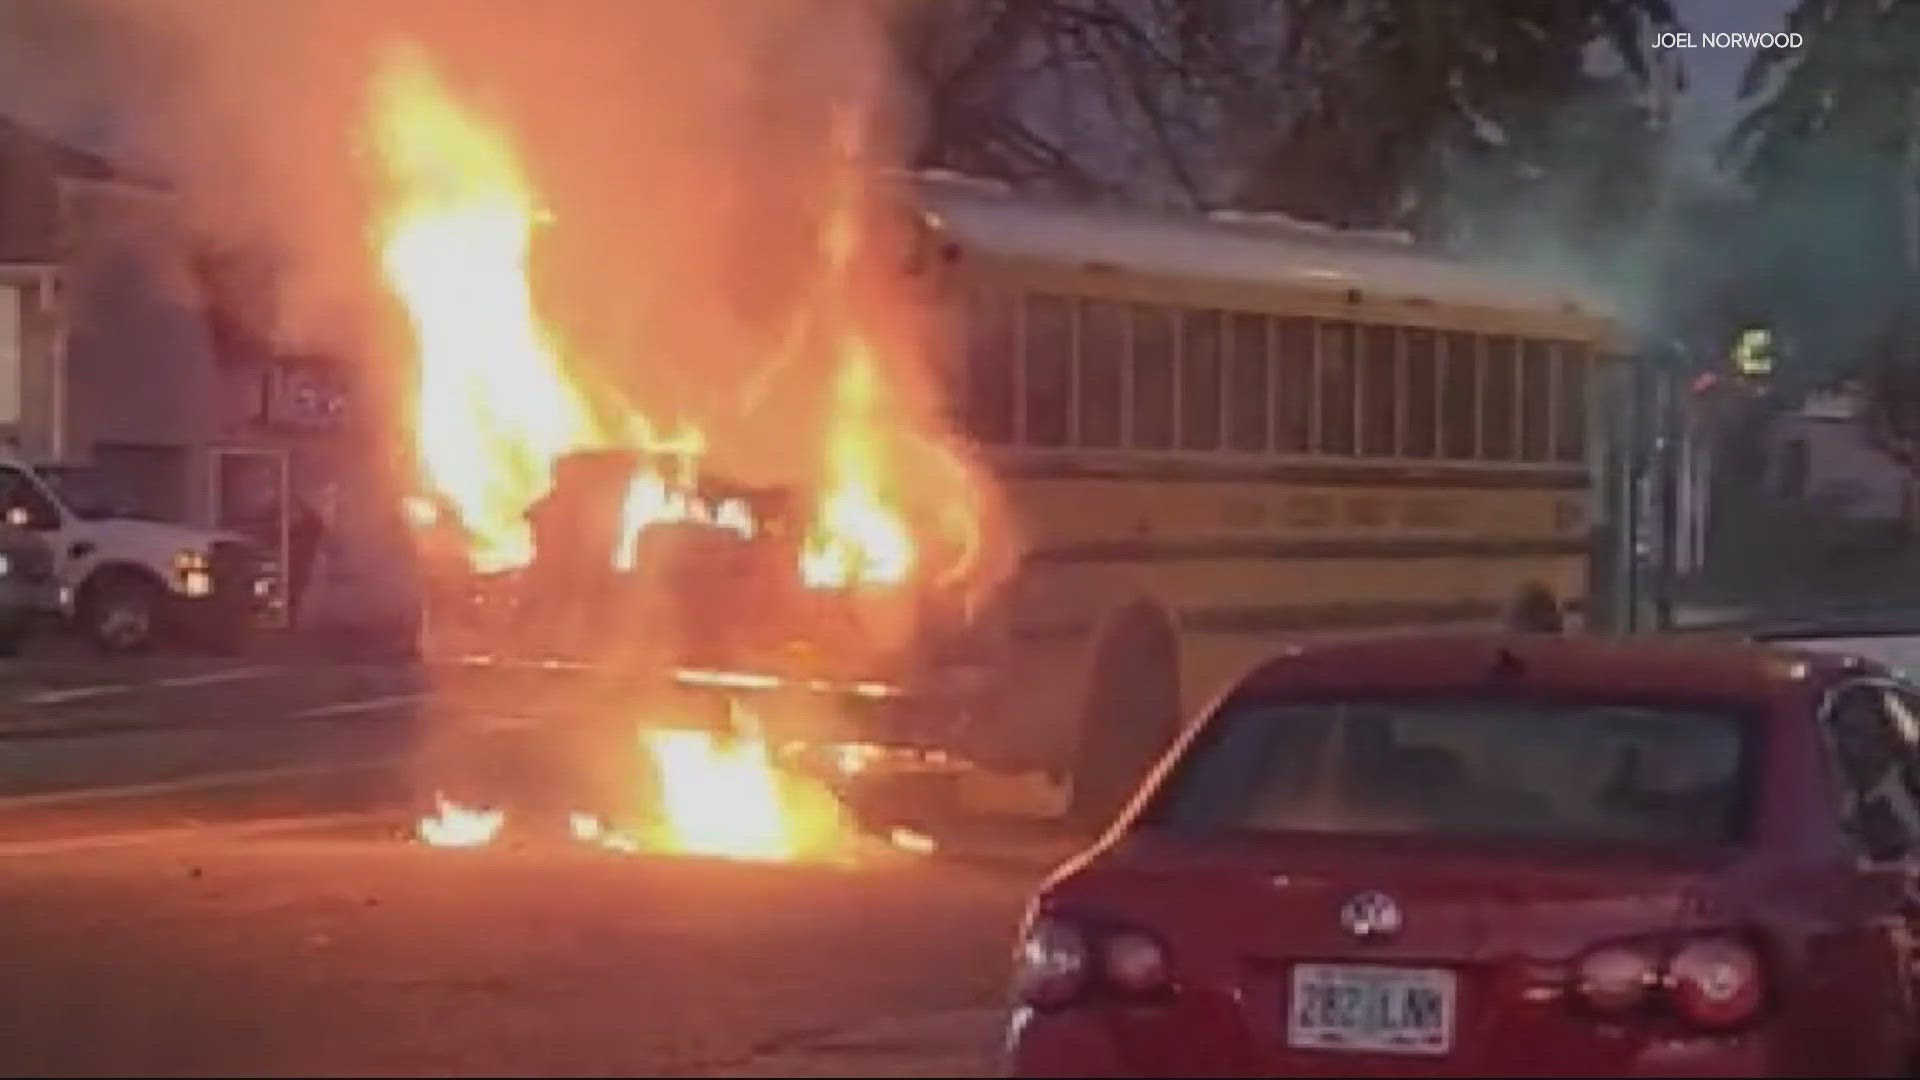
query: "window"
133, 479
1459, 395
1200, 348
1103, 366
1570, 416
1336, 388
1049, 369
12, 350
1380, 390
1247, 395
1153, 373
1536, 398
1631, 773
1292, 385
1499, 393
992, 330
1423, 395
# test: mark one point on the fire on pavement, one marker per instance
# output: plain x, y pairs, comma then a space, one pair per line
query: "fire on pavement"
601, 517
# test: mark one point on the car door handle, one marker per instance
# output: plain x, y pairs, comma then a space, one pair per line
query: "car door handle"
80, 549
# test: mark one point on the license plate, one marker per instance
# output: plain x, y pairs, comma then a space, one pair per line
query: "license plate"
1357, 1007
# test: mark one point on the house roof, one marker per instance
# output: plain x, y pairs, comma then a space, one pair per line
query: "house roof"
70, 161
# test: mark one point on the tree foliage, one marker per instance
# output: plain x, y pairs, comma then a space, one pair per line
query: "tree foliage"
1339, 110
1832, 152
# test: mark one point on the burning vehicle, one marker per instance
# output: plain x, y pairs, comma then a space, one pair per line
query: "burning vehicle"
725, 658
679, 596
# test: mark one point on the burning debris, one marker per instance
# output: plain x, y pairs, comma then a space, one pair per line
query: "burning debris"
453, 825
911, 840
695, 791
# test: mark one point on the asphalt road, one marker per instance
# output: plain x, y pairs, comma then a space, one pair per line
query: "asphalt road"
204, 869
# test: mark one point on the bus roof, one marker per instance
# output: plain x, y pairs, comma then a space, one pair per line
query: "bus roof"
1247, 250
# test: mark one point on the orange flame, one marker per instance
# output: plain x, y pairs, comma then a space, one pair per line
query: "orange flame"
857, 538
725, 796
655, 499
495, 408
453, 825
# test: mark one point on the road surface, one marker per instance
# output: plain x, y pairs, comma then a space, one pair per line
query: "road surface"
204, 869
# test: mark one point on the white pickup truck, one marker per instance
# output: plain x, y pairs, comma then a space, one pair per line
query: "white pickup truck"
135, 582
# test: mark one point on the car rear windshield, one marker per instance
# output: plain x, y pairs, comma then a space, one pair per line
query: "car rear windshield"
1624, 773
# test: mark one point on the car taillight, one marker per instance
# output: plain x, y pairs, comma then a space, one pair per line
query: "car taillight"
1050, 968
1710, 982
1715, 982
1133, 962
1617, 978
1062, 960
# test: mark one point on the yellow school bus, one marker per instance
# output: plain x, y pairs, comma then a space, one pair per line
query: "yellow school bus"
1217, 436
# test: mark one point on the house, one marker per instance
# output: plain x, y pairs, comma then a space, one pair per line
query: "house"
119, 352
105, 356
1825, 455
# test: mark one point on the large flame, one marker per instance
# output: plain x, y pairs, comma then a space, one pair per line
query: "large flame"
857, 537
500, 402
723, 794
495, 408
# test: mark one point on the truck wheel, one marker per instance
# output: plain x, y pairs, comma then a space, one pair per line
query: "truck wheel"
1132, 714
120, 612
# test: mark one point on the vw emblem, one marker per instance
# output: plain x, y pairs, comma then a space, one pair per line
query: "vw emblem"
1371, 915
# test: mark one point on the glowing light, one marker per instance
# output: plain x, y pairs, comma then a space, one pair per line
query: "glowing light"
453, 825
909, 840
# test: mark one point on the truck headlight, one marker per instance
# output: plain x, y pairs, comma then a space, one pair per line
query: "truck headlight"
194, 571
6, 566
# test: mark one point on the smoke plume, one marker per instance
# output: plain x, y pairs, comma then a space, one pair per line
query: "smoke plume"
684, 153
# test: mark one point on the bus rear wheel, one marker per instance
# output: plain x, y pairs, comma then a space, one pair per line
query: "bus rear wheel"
1132, 713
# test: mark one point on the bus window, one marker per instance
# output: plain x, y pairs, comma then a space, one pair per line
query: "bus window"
1153, 396
989, 367
1459, 395
1103, 358
1498, 396
1247, 383
1423, 395
1570, 419
1292, 384
1380, 391
1200, 380
1536, 399
1049, 357
1336, 388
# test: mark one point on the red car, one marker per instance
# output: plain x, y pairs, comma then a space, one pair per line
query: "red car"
1501, 855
